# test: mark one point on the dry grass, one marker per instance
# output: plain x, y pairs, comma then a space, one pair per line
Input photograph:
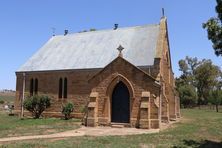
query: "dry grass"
199, 128
11, 126
7, 97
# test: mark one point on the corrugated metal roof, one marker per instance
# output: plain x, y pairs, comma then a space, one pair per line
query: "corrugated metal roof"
95, 49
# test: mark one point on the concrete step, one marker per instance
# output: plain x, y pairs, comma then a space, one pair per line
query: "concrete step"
119, 125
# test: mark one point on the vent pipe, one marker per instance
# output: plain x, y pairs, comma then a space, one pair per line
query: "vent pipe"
66, 32
115, 26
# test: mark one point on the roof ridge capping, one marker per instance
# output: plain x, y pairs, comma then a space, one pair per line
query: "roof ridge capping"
104, 30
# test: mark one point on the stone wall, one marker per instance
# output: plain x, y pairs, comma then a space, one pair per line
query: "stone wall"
137, 82
48, 84
166, 76
81, 84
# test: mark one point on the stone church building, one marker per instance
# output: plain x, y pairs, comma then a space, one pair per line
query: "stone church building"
117, 76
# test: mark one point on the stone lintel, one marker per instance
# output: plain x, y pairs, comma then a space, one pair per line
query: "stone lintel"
92, 104
94, 95
145, 94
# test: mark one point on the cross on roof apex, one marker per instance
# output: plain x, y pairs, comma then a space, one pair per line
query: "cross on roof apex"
120, 48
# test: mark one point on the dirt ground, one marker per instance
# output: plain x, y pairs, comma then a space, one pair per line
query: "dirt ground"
85, 131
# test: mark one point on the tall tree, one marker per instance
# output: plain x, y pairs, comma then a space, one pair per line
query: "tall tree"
216, 98
214, 29
187, 67
185, 84
206, 76
188, 96
196, 80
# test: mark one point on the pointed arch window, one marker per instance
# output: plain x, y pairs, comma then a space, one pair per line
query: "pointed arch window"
60, 88
63, 88
168, 63
36, 86
167, 57
31, 87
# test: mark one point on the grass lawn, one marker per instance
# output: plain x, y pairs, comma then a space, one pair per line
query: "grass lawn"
198, 128
13, 126
7, 97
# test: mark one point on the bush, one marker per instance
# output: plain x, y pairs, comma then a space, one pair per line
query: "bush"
66, 110
2, 101
37, 104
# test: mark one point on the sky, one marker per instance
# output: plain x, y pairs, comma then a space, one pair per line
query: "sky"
26, 25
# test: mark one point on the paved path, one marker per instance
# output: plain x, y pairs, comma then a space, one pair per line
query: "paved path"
83, 131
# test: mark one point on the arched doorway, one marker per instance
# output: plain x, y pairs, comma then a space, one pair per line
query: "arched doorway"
120, 112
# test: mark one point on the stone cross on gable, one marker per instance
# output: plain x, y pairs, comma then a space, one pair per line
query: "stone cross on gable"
120, 48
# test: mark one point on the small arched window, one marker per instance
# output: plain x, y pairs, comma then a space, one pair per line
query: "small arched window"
60, 88
65, 88
167, 57
36, 86
31, 87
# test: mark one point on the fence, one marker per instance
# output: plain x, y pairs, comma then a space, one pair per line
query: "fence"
209, 107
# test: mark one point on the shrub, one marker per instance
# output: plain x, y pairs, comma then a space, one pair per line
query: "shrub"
2, 101
11, 108
37, 104
92, 29
67, 109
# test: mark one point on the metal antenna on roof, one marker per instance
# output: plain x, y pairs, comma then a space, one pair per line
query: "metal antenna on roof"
53, 31
163, 14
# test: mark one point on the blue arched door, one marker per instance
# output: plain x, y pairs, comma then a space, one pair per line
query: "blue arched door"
120, 104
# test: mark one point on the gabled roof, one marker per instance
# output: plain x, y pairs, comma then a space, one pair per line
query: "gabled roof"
123, 59
95, 49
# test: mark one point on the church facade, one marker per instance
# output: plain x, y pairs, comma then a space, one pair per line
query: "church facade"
118, 76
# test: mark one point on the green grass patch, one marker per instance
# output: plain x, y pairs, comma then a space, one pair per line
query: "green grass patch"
13, 126
7, 98
198, 128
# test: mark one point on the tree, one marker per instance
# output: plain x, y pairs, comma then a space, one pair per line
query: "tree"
198, 77
188, 96
216, 98
185, 84
214, 29
37, 105
2, 101
206, 77
187, 67
67, 109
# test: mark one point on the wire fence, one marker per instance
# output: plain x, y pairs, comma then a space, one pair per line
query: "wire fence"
209, 107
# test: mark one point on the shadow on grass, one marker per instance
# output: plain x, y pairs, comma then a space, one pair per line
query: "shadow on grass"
201, 144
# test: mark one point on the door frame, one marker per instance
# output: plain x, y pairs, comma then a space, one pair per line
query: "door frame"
120, 116
109, 93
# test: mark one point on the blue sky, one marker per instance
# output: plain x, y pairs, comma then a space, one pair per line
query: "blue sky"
26, 25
